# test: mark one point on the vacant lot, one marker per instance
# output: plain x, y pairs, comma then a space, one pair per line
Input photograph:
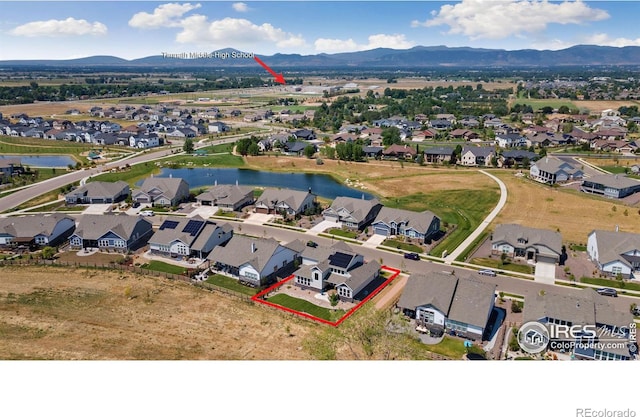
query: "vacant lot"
574, 214
51, 313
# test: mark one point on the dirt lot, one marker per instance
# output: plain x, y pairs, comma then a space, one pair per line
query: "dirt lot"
63, 314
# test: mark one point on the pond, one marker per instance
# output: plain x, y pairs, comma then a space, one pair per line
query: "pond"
320, 184
43, 161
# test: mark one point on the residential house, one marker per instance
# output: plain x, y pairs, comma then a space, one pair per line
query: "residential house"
615, 253
352, 213
398, 151
613, 186
188, 237
304, 134
480, 156
10, 166
444, 303
516, 241
98, 192
162, 191
218, 127
296, 148
551, 170
373, 151
465, 134
510, 140
397, 222
517, 157
609, 323
37, 230
227, 197
285, 201
438, 154
112, 232
253, 261
344, 271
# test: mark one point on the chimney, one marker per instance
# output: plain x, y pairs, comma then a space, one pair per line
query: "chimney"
253, 247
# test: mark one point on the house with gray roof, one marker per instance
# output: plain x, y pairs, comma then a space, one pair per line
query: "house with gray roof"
476, 156
10, 166
36, 230
112, 232
423, 226
608, 325
615, 252
438, 154
612, 186
551, 170
509, 140
352, 213
161, 191
283, 200
336, 268
527, 243
446, 303
227, 197
253, 261
188, 237
98, 192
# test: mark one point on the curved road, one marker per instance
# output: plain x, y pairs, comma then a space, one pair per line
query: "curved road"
485, 223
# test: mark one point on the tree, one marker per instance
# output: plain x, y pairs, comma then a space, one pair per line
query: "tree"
188, 145
253, 149
309, 151
48, 252
390, 136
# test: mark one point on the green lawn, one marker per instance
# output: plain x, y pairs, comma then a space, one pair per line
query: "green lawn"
497, 263
343, 233
611, 283
393, 243
132, 175
537, 104
163, 267
306, 307
230, 284
615, 169
225, 160
477, 242
464, 208
449, 347
578, 248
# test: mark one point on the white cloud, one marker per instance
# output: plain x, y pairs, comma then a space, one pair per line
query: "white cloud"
166, 15
603, 39
396, 41
240, 7
236, 33
66, 27
499, 19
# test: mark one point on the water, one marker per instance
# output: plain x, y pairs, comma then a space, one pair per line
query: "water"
43, 161
320, 184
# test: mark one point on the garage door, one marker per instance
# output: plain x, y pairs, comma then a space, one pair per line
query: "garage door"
381, 231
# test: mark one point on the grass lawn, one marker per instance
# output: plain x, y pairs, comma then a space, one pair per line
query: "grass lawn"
464, 208
49, 197
306, 307
343, 233
393, 243
163, 267
130, 176
230, 284
497, 263
477, 242
615, 169
611, 283
225, 160
449, 347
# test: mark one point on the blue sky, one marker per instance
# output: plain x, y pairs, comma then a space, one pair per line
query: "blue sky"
135, 29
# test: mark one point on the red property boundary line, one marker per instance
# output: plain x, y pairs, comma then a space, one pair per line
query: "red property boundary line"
257, 298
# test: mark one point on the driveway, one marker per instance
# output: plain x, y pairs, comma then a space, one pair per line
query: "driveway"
203, 211
545, 273
322, 226
374, 241
97, 209
259, 218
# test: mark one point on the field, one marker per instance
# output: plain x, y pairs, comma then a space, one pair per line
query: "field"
575, 215
64, 314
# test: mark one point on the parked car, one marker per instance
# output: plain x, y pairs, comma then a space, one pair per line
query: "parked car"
412, 255
487, 272
312, 244
135, 204
609, 292
147, 213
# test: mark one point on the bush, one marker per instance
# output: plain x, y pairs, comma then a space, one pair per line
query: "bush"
516, 306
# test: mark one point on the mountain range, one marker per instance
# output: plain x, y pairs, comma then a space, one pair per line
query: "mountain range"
382, 58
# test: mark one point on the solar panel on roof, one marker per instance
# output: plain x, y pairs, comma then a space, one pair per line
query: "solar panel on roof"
339, 259
169, 224
193, 226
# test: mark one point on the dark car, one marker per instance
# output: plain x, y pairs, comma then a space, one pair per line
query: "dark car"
136, 204
412, 255
312, 244
609, 292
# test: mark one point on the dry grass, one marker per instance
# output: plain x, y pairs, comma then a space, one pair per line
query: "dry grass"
575, 215
53, 313
46, 109
600, 105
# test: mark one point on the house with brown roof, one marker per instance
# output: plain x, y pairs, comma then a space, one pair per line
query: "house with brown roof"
398, 151
443, 303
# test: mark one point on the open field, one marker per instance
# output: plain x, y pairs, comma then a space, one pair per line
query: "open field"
51, 313
574, 214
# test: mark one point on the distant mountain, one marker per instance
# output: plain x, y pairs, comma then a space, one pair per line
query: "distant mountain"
383, 58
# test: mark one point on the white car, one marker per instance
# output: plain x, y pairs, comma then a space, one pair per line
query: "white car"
487, 272
147, 213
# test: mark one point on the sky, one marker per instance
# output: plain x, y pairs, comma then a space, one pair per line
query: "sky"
136, 29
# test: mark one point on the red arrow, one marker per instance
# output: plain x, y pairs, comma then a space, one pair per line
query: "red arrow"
278, 77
